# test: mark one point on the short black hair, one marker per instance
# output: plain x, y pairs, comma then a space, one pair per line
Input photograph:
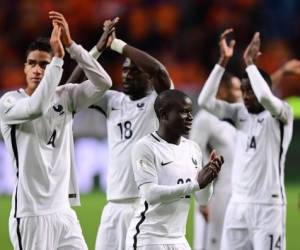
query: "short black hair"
166, 100
264, 74
41, 43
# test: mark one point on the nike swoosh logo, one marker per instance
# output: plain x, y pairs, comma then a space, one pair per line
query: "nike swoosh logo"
114, 109
243, 120
260, 120
166, 163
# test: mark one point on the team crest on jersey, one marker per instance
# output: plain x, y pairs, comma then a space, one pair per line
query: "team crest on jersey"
194, 162
140, 105
59, 109
260, 120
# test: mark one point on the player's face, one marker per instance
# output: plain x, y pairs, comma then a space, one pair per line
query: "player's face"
34, 69
135, 81
249, 98
234, 92
180, 117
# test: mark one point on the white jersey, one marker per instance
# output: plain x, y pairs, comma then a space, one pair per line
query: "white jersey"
209, 132
127, 122
258, 169
162, 163
262, 140
37, 131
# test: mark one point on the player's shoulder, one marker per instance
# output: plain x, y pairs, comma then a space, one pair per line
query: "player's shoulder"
149, 139
20, 93
144, 144
286, 115
150, 97
114, 93
114, 96
204, 118
11, 97
190, 143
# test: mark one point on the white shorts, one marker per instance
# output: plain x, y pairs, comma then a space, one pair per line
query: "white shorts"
59, 230
162, 247
254, 226
200, 229
217, 209
208, 235
115, 220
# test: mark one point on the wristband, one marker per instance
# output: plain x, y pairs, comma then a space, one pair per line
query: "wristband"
118, 45
94, 52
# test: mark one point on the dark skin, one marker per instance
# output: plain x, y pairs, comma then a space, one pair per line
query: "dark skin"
105, 40
176, 122
136, 82
250, 100
252, 52
140, 71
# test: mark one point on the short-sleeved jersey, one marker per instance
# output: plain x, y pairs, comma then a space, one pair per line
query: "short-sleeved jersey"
258, 170
209, 132
127, 122
157, 161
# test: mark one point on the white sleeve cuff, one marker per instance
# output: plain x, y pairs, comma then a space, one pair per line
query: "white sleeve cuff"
118, 45
57, 61
94, 52
252, 69
219, 68
73, 49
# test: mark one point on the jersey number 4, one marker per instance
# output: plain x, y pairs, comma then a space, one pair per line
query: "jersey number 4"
52, 139
252, 143
125, 129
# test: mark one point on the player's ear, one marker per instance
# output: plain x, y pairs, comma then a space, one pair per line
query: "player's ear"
163, 114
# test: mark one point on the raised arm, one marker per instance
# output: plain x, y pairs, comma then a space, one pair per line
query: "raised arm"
160, 76
83, 95
104, 42
207, 98
260, 87
14, 110
291, 67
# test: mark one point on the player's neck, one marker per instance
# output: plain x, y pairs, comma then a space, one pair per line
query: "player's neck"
29, 91
138, 94
257, 111
137, 97
169, 137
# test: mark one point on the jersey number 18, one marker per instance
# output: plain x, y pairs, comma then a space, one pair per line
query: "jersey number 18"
125, 129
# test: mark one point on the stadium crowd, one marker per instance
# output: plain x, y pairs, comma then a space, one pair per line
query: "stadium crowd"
153, 169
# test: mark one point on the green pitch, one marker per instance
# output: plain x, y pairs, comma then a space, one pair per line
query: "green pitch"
92, 204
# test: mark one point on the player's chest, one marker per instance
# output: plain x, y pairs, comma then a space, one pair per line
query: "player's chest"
254, 131
225, 135
175, 167
50, 128
127, 121
56, 115
123, 110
